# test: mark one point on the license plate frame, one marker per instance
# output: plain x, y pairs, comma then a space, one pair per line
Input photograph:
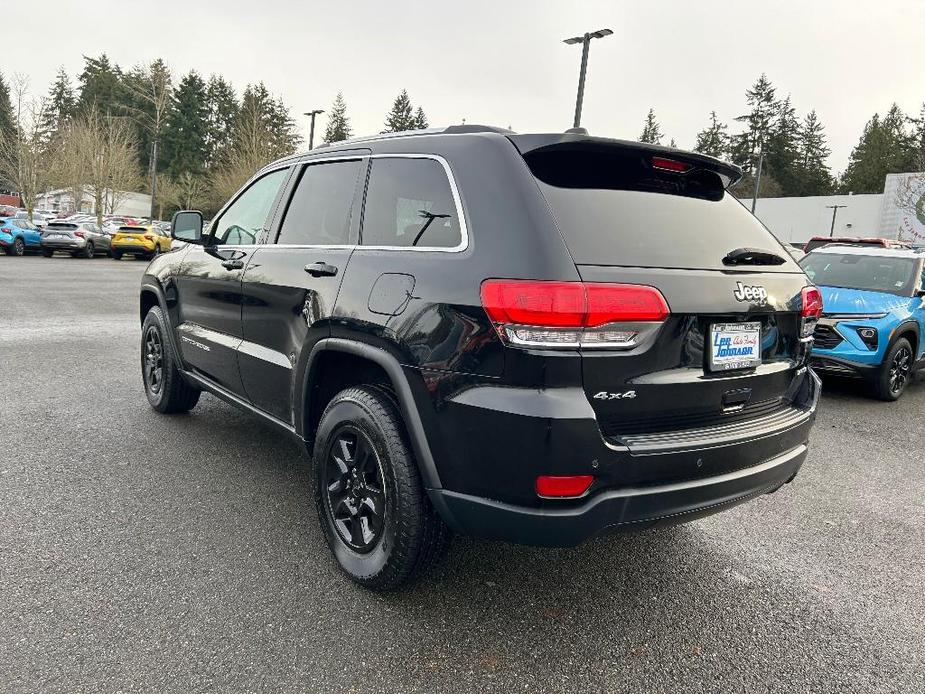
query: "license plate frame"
725, 337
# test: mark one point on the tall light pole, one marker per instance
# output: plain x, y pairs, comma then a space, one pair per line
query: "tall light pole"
835, 209
311, 132
585, 42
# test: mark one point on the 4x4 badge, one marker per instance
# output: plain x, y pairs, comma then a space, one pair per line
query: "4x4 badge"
755, 294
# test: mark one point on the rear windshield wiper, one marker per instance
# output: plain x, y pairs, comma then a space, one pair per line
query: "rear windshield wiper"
752, 256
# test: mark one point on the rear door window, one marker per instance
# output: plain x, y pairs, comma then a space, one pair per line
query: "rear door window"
320, 209
410, 204
616, 210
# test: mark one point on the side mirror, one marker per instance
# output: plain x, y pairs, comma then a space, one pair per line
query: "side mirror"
920, 292
186, 225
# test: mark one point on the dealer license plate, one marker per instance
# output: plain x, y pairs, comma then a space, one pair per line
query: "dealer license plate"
735, 346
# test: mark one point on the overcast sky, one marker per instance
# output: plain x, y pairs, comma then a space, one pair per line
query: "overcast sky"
504, 63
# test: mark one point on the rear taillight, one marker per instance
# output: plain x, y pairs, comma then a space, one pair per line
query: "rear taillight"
572, 314
79, 234
810, 309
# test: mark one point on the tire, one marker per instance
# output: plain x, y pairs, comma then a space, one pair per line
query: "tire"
407, 536
116, 255
157, 252
19, 247
895, 372
88, 251
47, 253
167, 391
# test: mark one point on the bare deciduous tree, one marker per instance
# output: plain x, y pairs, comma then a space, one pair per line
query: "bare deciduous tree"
23, 160
185, 192
96, 156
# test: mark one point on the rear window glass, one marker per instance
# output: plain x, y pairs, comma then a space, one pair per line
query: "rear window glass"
614, 209
319, 212
132, 230
409, 203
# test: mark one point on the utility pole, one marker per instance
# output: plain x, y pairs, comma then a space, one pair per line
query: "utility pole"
585, 42
758, 179
835, 209
153, 176
311, 132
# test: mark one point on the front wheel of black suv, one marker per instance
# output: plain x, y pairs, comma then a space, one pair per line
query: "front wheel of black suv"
895, 372
165, 387
373, 510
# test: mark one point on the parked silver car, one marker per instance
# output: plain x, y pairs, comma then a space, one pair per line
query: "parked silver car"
80, 239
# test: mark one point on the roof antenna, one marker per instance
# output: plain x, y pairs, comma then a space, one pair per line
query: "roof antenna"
576, 131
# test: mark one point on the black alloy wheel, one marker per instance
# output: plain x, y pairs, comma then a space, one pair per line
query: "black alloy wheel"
900, 370
19, 247
355, 489
153, 360
88, 250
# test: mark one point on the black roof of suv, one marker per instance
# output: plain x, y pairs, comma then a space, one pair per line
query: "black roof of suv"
536, 338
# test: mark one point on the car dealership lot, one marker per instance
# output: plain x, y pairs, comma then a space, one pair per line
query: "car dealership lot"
142, 552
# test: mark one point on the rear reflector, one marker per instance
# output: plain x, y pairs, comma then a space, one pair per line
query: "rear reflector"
564, 486
570, 314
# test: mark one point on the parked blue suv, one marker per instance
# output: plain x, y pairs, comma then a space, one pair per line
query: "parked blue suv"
19, 235
873, 317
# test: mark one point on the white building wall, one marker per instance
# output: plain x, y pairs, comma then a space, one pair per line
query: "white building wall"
796, 220
130, 204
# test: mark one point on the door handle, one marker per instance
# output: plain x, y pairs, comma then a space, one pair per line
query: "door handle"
321, 269
232, 264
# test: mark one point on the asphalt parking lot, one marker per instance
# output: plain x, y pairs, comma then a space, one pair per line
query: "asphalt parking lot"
147, 553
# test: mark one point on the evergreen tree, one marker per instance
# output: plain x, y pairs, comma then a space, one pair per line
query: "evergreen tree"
885, 147
185, 132
101, 85
401, 117
7, 120
812, 171
420, 120
272, 117
917, 140
61, 103
746, 146
781, 156
651, 132
713, 139
223, 110
338, 127
147, 101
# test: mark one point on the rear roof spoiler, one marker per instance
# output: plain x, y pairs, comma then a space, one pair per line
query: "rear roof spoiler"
526, 144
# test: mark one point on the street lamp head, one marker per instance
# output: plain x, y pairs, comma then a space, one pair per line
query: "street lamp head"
600, 33
313, 113
574, 40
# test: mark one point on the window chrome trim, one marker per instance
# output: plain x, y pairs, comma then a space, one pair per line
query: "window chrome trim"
457, 202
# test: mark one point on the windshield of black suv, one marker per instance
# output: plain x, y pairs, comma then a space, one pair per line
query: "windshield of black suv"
875, 273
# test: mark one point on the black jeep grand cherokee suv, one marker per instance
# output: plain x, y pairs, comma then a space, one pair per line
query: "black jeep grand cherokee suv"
535, 338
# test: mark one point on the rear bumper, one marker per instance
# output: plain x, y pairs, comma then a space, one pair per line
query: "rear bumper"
64, 245
640, 481
131, 248
621, 509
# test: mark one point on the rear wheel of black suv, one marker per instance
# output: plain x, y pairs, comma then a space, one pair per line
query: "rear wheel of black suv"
164, 385
896, 371
373, 510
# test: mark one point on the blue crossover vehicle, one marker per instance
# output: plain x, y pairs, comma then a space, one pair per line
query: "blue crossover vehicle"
873, 317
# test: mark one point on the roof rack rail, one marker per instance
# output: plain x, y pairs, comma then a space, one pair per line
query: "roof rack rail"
449, 130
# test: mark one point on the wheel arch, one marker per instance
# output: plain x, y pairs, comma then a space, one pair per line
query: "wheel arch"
910, 330
336, 363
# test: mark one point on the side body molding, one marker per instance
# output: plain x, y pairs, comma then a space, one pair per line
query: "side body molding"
399, 381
